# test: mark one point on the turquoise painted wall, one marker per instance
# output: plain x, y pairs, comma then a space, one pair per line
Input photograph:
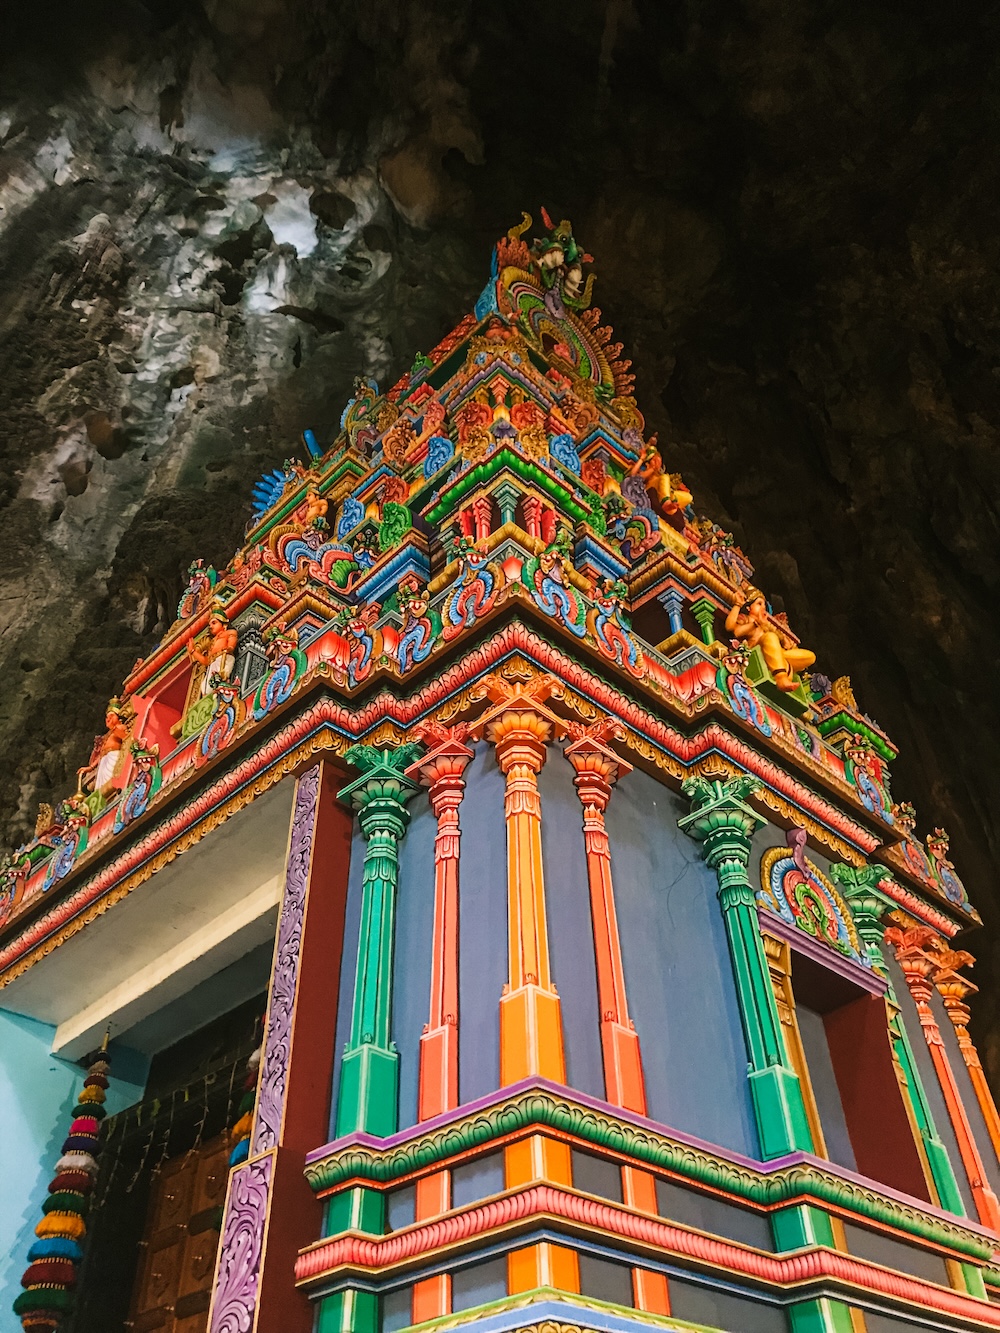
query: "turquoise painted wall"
37, 1096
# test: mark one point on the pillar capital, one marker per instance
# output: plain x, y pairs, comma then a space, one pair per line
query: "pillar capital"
441, 769
954, 990
596, 767
519, 724
720, 817
914, 947
380, 794
868, 904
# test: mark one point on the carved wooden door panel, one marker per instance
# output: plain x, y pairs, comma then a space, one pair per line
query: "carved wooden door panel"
174, 1285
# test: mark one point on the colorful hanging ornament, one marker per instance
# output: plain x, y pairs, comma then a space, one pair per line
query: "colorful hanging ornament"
239, 1135
50, 1277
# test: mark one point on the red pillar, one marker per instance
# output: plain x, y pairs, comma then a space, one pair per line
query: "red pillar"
442, 771
914, 953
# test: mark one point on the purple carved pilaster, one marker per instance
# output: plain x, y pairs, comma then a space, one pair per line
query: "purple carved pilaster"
237, 1276
284, 977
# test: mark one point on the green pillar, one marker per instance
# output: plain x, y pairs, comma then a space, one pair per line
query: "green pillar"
868, 906
369, 1072
722, 822
703, 609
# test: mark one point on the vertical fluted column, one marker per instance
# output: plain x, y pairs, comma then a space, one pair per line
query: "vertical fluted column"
596, 770
723, 824
442, 771
531, 1041
954, 989
369, 1075
868, 907
520, 726
368, 1097
913, 948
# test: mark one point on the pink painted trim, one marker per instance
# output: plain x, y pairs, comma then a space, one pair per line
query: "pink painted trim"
807, 1266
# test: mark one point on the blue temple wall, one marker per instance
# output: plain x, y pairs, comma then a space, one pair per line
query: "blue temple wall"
348, 963
482, 954
681, 990
411, 972
37, 1094
571, 932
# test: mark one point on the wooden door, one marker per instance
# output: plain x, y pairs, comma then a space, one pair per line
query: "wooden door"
174, 1285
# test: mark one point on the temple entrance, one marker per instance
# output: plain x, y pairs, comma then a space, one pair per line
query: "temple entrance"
178, 1248
158, 1200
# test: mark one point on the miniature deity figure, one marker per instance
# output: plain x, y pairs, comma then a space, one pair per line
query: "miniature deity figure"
314, 515
750, 621
560, 264
647, 474
219, 657
98, 775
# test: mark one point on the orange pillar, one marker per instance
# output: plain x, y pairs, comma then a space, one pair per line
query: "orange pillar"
442, 771
597, 769
914, 954
520, 725
953, 990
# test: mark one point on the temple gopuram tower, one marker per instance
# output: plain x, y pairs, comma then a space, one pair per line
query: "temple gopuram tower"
500, 921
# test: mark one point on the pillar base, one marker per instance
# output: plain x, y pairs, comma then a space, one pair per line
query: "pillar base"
438, 1090
779, 1111
369, 1080
943, 1175
623, 1077
821, 1316
543, 1265
531, 1035
348, 1312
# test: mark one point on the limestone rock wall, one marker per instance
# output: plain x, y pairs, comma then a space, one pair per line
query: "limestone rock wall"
214, 214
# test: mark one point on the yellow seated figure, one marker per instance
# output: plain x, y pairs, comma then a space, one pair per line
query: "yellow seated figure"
749, 620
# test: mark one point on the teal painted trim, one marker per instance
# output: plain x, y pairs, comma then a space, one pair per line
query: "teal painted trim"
521, 467
349, 1311
794, 1228
531, 1110
974, 1283
820, 1316
724, 825
369, 1080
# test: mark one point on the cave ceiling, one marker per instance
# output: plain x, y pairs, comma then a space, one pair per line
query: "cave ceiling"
214, 215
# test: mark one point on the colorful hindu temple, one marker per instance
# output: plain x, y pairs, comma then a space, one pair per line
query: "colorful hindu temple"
500, 921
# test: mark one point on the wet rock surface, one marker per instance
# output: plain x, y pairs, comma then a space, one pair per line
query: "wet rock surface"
214, 215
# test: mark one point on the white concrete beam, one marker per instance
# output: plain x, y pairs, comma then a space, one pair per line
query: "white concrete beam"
216, 944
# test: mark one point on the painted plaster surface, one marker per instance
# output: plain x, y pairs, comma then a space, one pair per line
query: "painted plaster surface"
571, 933
482, 955
677, 969
37, 1094
411, 963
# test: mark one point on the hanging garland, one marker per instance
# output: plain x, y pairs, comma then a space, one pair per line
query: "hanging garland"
50, 1277
239, 1135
